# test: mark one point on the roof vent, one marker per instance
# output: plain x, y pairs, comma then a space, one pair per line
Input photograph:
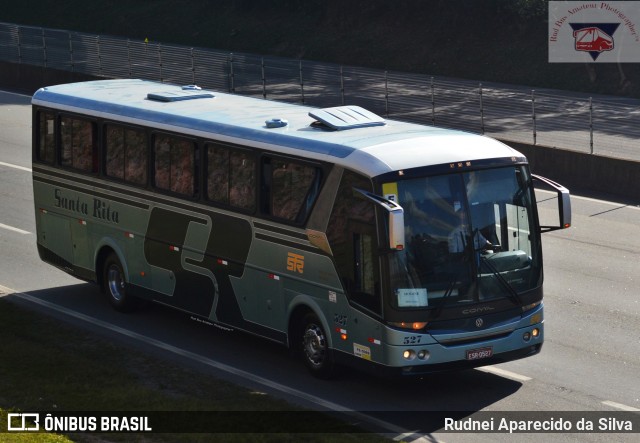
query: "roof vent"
276, 123
347, 117
189, 92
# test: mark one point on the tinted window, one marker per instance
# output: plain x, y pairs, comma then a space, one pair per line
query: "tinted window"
46, 137
78, 144
126, 154
174, 168
231, 177
293, 189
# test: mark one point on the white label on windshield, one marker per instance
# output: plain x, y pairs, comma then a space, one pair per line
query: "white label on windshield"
412, 298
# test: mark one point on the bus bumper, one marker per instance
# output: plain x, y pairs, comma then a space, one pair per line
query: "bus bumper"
404, 360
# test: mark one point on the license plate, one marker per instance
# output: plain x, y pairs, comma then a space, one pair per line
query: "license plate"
477, 354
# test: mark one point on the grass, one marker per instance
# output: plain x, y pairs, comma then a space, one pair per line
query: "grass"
49, 366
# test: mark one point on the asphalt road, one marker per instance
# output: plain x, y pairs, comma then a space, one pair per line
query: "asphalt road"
590, 362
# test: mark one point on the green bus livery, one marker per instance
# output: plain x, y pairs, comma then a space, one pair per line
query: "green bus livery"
353, 240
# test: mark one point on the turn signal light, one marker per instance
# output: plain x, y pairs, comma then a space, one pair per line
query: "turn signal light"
417, 325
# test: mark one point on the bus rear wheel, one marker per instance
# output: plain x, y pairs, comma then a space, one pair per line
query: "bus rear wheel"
114, 285
314, 347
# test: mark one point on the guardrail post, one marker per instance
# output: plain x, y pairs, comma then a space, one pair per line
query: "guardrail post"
73, 68
19, 46
386, 93
301, 83
160, 61
193, 69
129, 55
99, 56
264, 80
433, 103
481, 110
232, 87
533, 114
591, 123
342, 85
44, 49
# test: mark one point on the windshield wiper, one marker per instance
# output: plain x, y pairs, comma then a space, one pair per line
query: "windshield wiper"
438, 309
512, 292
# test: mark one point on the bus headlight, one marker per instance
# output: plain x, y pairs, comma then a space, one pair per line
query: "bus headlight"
535, 333
409, 354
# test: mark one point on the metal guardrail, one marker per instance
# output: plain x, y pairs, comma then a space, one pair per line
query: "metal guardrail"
606, 126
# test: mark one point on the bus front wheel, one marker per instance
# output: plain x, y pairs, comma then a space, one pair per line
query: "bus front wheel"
314, 347
114, 285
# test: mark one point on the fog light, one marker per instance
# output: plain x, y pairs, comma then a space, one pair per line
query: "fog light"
409, 354
536, 332
423, 354
526, 336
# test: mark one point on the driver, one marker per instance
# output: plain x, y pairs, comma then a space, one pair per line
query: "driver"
459, 237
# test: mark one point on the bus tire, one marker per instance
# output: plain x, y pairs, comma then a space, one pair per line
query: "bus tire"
314, 347
114, 285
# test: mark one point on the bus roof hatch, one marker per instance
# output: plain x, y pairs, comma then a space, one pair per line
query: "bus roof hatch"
347, 117
179, 95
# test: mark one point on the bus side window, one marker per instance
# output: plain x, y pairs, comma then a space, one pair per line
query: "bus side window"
174, 165
231, 177
242, 183
46, 137
126, 154
78, 144
293, 188
352, 235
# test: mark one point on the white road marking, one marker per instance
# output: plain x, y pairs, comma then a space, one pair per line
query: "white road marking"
9, 165
322, 403
11, 228
620, 406
504, 373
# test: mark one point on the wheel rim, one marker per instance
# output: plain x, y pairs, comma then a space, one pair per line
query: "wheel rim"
314, 344
115, 282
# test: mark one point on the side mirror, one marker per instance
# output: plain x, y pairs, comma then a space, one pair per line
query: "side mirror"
564, 204
396, 228
395, 218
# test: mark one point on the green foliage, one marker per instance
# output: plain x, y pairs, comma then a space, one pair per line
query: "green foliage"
489, 40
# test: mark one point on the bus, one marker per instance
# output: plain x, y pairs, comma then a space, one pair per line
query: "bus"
349, 238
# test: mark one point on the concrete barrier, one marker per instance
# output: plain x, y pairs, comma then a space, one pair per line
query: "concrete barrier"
576, 170
579, 171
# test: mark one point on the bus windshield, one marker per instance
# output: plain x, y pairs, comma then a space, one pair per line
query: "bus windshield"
469, 237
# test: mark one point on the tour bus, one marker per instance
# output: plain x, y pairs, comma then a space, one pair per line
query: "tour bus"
352, 239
